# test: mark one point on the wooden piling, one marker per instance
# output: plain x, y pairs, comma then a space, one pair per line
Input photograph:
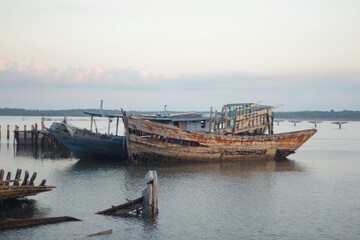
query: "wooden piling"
25, 133
42, 124
16, 133
295, 122
339, 123
278, 122
0, 133
8, 133
150, 194
315, 122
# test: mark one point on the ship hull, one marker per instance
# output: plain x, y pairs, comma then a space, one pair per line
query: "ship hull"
149, 141
86, 144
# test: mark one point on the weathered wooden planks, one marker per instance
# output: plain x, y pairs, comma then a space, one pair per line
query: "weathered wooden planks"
147, 204
17, 190
105, 232
22, 223
125, 208
152, 141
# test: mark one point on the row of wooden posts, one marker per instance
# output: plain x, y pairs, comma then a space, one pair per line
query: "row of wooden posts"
36, 138
17, 128
315, 122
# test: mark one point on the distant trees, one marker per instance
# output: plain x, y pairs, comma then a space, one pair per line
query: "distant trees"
320, 115
45, 113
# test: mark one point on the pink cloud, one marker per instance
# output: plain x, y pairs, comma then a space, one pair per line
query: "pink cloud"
149, 73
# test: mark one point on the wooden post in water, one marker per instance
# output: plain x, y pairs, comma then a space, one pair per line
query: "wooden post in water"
315, 122
339, 123
42, 124
278, 122
0, 133
8, 133
25, 134
295, 122
150, 194
16, 134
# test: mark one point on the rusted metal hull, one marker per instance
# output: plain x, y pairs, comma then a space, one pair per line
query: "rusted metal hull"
155, 142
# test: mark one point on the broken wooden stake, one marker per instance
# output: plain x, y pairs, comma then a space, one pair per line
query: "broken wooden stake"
147, 204
150, 194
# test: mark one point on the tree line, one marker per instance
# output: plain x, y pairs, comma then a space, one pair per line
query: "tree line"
306, 115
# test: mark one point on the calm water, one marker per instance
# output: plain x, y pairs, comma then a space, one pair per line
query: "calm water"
313, 195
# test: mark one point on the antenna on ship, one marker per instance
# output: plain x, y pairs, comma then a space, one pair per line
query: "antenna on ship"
165, 113
101, 106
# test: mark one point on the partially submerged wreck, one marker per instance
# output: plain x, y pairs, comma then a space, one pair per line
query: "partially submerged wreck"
15, 188
241, 131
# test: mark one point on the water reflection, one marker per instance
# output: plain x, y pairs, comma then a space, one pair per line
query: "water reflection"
91, 164
21, 208
231, 168
41, 152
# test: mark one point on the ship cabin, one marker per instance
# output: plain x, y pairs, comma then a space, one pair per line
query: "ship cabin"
233, 119
193, 122
244, 119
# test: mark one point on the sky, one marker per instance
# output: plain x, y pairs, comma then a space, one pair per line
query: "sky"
188, 55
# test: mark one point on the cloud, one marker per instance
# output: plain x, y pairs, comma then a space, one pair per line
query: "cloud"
192, 92
36, 74
4, 64
149, 73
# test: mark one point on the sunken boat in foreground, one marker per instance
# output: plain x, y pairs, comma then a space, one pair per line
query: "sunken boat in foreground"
238, 132
15, 188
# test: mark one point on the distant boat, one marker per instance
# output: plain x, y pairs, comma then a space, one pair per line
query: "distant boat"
239, 132
87, 143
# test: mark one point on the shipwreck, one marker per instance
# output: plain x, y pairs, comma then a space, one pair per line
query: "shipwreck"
15, 188
242, 131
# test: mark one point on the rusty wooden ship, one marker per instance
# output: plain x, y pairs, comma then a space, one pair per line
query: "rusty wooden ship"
242, 131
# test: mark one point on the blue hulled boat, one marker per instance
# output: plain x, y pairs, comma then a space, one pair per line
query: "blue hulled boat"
86, 143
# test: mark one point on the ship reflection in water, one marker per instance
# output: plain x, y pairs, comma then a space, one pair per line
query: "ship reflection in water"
92, 163
38, 152
21, 208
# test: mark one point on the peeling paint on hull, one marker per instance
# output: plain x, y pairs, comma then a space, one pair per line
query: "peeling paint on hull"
155, 142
